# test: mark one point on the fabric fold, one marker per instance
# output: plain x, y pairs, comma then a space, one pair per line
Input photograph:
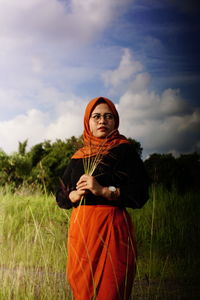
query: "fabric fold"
101, 253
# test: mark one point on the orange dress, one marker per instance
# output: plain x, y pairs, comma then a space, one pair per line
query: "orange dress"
101, 253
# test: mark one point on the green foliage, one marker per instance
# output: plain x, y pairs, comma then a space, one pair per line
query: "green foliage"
4, 167
14, 168
22, 147
183, 172
52, 161
137, 146
38, 152
21, 167
161, 168
43, 165
188, 173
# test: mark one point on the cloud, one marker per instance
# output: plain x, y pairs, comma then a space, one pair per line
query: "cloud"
31, 125
50, 45
162, 122
73, 20
69, 120
50, 52
46, 53
128, 67
37, 126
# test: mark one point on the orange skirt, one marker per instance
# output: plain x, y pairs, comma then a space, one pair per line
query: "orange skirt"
101, 253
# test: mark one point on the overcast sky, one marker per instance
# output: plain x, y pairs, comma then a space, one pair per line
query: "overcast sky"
56, 55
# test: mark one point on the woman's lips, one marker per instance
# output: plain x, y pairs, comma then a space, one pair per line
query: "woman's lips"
102, 128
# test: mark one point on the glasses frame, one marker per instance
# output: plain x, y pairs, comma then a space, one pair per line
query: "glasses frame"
97, 117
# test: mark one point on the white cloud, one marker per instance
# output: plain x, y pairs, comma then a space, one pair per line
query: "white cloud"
161, 122
31, 126
127, 68
173, 104
46, 45
37, 126
140, 82
57, 20
69, 120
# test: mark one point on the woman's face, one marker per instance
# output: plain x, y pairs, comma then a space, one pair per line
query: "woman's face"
101, 121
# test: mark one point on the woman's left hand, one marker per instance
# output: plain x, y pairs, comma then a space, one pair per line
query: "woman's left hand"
90, 183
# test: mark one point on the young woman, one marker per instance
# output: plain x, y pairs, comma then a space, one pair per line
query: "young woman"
101, 240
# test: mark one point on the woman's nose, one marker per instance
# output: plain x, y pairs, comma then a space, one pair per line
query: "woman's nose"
102, 119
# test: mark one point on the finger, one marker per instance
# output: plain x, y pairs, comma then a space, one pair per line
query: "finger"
82, 179
81, 183
81, 192
81, 189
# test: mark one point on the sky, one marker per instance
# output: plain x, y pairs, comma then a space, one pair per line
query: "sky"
56, 55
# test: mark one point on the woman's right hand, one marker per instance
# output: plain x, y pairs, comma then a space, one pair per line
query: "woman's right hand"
76, 195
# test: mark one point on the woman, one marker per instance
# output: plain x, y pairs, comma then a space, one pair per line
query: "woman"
101, 241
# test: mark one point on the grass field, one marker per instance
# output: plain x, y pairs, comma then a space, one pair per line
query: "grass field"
33, 232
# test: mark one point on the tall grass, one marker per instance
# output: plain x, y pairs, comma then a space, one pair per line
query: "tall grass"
33, 252
168, 234
33, 232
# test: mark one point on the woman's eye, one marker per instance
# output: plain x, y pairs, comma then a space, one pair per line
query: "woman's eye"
109, 116
106, 116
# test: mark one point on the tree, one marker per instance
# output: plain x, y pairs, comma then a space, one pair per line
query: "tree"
183, 172
4, 167
38, 151
137, 146
50, 160
162, 169
188, 172
22, 147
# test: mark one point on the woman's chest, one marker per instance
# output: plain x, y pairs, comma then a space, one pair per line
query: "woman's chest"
107, 171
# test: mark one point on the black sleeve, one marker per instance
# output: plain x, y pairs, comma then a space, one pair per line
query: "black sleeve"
134, 190
62, 195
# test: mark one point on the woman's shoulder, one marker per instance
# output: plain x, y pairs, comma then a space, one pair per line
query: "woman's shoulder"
125, 152
73, 162
125, 148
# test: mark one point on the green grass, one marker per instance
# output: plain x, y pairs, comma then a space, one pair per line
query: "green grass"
168, 235
33, 232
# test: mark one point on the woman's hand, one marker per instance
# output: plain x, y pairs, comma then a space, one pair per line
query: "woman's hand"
76, 195
88, 182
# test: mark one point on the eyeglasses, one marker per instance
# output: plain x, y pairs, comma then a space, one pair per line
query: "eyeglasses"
107, 116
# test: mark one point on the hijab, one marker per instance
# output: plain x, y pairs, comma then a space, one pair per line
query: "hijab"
94, 145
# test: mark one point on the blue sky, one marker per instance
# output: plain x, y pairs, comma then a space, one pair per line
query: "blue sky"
56, 55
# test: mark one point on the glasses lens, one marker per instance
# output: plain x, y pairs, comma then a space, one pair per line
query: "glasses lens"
106, 116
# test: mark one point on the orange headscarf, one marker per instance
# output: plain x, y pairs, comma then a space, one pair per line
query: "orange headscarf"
94, 145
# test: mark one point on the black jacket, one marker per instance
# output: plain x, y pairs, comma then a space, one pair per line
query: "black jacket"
121, 167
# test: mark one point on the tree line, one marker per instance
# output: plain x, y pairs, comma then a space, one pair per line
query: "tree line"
44, 164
